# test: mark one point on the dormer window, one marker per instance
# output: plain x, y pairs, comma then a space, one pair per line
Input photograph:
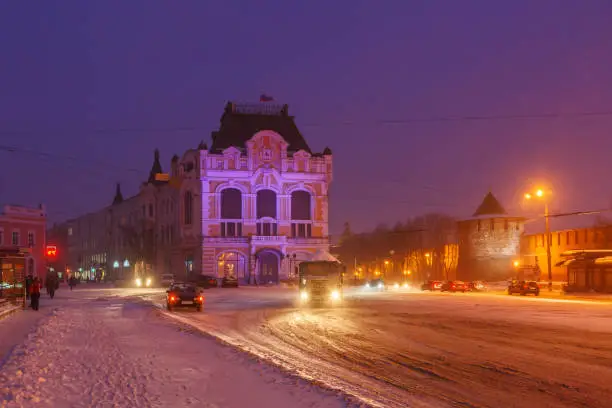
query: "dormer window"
266, 154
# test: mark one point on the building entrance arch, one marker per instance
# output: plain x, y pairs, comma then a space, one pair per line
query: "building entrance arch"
268, 265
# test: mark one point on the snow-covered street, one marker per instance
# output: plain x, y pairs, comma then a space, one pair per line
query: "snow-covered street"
428, 349
99, 348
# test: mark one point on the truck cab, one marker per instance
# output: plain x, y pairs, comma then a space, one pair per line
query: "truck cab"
320, 282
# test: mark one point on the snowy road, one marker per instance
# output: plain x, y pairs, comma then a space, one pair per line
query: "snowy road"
422, 349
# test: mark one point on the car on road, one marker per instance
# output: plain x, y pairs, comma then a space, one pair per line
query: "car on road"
375, 284
477, 286
524, 288
229, 282
454, 286
166, 280
432, 285
205, 281
183, 294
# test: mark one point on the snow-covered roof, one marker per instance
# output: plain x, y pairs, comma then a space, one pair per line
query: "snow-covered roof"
322, 255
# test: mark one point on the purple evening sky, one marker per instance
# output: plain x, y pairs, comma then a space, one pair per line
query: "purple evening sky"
72, 68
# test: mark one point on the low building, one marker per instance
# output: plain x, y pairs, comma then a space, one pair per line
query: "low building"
23, 229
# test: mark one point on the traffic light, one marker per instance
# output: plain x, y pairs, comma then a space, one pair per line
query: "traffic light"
51, 251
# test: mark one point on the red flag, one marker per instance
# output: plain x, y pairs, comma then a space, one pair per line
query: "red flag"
265, 98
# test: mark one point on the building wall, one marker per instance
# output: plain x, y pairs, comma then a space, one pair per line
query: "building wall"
24, 227
533, 247
488, 247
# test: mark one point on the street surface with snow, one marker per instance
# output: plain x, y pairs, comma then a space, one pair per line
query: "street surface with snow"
108, 347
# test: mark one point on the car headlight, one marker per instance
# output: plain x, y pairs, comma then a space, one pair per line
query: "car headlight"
396, 286
380, 285
149, 282
405, 285
304, 295
335, 295
138, 282
367, 285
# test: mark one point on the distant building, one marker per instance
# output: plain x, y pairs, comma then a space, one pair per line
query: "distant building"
24, 228
533, 247
489, 242
252, 206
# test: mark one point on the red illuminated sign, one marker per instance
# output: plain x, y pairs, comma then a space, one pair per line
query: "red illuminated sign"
51, 251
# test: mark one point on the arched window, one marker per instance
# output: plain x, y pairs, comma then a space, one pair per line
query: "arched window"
266, 208
231, 209
266, 204
301, 211
188, 208
231, 204
300, 205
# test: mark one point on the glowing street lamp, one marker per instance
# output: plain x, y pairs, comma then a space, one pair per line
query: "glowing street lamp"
539, 193
427, 255
386, 262
516, 264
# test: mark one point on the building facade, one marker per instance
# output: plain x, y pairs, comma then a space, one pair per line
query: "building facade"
255, 204
24, 228
533, 247
489, 242
252, 206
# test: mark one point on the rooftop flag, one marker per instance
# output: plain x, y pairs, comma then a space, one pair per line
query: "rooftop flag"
265, 98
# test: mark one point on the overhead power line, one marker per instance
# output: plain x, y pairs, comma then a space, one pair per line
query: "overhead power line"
433, 119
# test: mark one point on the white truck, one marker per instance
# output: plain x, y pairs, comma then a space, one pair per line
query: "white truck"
321, 282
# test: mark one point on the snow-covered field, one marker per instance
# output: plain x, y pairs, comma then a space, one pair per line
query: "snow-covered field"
97, 348
427, 349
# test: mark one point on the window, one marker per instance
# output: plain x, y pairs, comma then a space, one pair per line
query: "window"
567, 238
300, 205
70, 231
231, 229
266, 204
492, 225
576, 237
30, 239
559, 239
15, 237
188, 208
302, 230
150, 210
586, 236
479, 226
231, 204
267, 229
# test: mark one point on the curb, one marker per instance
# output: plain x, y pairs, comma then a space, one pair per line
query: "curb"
5, 312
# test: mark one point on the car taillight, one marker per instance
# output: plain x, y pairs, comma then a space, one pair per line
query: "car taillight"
201, 298
172, 298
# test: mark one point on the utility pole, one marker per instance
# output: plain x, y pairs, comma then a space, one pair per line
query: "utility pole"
548, 237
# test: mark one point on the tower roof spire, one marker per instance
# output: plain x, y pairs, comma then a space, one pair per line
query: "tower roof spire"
490, 206
118, 196
156, 168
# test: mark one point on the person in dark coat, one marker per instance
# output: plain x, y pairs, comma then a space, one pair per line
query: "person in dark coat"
51, 285
72, 282
35, 293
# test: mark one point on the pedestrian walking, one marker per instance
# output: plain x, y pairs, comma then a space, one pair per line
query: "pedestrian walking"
35, 293
72, 282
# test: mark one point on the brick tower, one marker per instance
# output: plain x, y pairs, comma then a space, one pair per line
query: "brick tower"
489, 242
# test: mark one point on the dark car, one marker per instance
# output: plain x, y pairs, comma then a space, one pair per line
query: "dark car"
205, 281
184, 295
229, 282
524, 288
432, 285
375, 284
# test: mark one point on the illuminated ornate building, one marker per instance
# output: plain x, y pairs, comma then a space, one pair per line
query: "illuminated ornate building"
489, 242
255, 203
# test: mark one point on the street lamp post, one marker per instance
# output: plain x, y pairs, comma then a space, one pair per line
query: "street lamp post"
540, 194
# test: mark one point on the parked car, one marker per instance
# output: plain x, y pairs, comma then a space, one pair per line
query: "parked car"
229, 282
453, 286
524, 288
182, 294
477, 286
205, 281
432, 285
